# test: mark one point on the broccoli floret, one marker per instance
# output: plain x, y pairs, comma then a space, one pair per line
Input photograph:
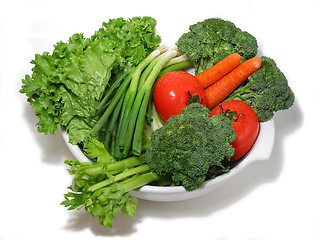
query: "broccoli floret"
190, 145
214, 39
266, 91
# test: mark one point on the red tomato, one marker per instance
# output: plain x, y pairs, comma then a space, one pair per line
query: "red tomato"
245, 123
172, 91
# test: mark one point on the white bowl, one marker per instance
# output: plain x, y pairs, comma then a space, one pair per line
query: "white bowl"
260, 151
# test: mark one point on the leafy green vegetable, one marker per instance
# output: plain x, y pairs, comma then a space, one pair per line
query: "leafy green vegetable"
67, 86
214, 39
136, 103
190, 147
266, 91
126, 113
103, 187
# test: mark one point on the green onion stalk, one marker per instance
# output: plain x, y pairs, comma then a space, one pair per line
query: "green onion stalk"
132, 129
124, 108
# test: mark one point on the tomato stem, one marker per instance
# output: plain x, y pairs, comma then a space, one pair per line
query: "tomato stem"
232, 115
194, 98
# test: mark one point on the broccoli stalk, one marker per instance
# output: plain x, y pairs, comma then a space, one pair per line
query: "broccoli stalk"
103, 187
266, 91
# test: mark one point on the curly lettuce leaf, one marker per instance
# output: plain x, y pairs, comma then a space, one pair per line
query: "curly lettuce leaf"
66, 87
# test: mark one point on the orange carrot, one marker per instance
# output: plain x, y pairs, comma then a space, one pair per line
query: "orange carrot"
218, 91
217, 71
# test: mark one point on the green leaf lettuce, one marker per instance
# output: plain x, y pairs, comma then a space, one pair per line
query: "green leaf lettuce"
67, 85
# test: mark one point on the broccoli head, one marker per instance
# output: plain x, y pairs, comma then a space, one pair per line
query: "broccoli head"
212, 40
266, 91
190, 145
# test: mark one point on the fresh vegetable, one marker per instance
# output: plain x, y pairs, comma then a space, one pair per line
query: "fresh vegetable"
217, 71
67, 86
245, 123
173, 91
181, 62
134, 118
103, 187
116, 105
190, 147
107, 89
212, 40
128, 133
220, 90
266, 91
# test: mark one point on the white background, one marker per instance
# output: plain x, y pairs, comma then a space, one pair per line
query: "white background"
273, 200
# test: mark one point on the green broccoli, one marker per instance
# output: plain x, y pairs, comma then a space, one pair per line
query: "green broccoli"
266, 91
190, 147
214, 39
